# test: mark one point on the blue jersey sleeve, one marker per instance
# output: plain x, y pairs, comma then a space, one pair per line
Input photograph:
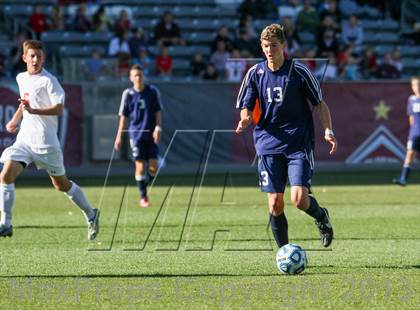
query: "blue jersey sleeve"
311, 85
157, 102
124, 111
410, 111
248, 92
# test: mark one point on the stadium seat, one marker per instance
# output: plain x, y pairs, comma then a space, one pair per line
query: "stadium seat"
388, 37
307, 37
200, 37
17, 10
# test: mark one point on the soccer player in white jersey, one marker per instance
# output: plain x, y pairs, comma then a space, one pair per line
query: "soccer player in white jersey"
41, 102
413, 143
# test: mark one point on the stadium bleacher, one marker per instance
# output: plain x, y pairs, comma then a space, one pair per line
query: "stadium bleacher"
199, 22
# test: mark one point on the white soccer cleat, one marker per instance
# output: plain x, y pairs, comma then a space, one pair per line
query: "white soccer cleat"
93, 225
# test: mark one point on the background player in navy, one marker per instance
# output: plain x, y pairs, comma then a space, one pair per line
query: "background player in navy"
140, 109
413, 144
286, 92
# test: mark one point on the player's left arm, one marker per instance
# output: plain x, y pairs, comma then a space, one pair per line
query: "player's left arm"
325, 118
157, 132
56, 109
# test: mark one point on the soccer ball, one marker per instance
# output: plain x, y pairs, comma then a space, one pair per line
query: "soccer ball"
291, 259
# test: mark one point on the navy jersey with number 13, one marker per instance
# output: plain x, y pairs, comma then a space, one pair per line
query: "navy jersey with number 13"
285, 125
140, 108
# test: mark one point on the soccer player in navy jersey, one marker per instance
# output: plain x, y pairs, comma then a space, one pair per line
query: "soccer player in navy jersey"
286, 92
413, 143
140, 110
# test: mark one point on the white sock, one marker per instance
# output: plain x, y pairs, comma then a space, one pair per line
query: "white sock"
7, 197
77, 196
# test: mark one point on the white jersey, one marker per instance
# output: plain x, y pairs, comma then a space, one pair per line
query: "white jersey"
235, 70
42, 91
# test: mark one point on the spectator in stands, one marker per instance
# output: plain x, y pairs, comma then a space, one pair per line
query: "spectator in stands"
57, 20
235, 67
123, 65
211, 73
413, 36
219, 58
307, 19
247, 22
94, 67
292, 38
222, 35
290, 8
396, 59
122, 23
368, 64
309, 56
38, 22
16, 62
118, 44
329, 7
143, 60
328, 44
80, 22
100, 21
258, 9
351, 68
352, 32
245, 43
387, 70
164, 63
327, 23
328, 70
167, 32
137, 42
197, 65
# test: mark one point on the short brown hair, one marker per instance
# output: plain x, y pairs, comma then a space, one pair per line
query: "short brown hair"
273, 31
136, 67
33, 44
415, 77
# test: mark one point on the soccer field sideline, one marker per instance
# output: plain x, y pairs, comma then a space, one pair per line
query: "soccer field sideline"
374, 262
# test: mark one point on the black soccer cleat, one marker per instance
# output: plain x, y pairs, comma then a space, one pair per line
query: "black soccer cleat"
6, 231
325, 229
399, 181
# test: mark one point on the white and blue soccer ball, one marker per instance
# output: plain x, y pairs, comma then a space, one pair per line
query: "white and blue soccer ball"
291, 259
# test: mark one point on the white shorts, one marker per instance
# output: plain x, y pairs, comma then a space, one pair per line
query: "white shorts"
49, 159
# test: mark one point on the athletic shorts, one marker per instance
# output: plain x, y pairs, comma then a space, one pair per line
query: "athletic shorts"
414, 144
144, 150
275, 170
49, 159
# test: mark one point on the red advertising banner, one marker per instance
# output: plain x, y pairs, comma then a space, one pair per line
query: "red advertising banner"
70, 131
369, 121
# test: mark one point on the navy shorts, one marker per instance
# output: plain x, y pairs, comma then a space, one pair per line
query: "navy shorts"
144, 150
275, 170
414, 144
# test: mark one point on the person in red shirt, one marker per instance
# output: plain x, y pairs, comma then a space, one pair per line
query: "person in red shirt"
164, 62
123, 22
38, 22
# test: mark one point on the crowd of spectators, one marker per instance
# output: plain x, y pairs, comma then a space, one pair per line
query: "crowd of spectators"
338, 51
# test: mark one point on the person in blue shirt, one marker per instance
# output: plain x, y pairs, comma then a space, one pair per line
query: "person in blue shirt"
140, 111
413, 143
285, 93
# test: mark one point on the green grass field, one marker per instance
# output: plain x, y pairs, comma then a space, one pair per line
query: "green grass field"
208, 247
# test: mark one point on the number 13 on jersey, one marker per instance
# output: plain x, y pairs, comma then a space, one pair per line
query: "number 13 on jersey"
277, 94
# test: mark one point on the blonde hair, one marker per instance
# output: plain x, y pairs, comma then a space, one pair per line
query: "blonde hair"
33, 44
273, 31
415, 77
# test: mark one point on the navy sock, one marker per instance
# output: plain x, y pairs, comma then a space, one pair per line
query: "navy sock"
405, 172
315, 210
279, 228
151, 177
142, 185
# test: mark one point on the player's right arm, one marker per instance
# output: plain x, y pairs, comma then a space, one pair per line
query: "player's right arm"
13, 125
123, 121
247, 96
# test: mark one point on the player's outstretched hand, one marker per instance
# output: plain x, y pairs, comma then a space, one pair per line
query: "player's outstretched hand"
156, 136
333, 141
117, 144
243, 124
12, 126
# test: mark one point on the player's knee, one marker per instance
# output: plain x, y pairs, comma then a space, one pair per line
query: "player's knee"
62, 186
276, 204
300, 202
